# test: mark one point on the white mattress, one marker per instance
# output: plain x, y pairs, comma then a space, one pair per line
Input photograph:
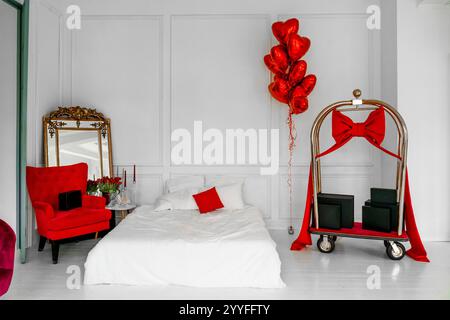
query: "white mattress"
220, 249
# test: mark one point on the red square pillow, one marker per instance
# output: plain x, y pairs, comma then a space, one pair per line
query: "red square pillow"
208, 200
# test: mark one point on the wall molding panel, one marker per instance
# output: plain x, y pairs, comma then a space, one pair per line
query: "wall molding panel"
156, 105
214, 18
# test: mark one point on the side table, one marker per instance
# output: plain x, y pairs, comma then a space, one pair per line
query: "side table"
124, 209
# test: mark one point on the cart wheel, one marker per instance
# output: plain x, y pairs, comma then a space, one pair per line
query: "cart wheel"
325, 246
396, 255
334, 238
386, 243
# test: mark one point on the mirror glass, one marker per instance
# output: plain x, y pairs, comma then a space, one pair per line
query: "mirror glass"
76, 134
80, 146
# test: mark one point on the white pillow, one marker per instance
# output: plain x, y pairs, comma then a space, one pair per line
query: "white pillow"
231, 196
184, 182
221, 180
180, 200
162, 204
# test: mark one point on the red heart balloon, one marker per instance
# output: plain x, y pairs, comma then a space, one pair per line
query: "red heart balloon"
280, 56
297, 72
275, 68
298, 105
298, 101
308, 83
279, 89
297, 46
281, 77
298, 91
281, 30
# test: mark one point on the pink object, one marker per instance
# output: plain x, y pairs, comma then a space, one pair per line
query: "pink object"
7, 249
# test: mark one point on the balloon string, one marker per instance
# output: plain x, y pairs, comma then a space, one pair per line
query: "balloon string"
292, 137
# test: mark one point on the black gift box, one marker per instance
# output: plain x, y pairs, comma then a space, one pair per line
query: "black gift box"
393, 208
385, 196
329, 216
347, 203
377, 219
69, 200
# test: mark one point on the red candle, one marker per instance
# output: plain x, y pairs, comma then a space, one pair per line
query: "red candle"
134, 173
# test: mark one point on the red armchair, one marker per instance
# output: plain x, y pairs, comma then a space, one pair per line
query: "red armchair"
7, 250
44, 186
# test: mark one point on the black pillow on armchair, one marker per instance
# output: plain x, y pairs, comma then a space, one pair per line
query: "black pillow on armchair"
69, 200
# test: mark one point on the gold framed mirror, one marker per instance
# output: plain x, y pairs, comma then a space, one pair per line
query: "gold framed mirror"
76, 134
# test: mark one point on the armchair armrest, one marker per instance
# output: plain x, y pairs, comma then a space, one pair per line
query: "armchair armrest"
93, 202
43, 208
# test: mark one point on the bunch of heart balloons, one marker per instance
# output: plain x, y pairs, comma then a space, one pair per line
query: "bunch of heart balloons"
290, 84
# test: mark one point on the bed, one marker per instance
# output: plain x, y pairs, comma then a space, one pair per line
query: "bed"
225, 248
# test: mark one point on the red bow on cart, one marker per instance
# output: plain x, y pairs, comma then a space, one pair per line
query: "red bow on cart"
373, 130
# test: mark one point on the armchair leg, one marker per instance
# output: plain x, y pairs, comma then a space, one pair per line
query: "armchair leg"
42, 241
55, 251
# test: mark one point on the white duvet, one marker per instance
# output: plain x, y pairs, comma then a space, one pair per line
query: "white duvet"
182, 247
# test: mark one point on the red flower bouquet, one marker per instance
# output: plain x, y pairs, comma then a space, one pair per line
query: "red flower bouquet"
109, 185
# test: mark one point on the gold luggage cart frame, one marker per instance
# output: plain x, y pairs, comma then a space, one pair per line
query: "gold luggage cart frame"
395, 250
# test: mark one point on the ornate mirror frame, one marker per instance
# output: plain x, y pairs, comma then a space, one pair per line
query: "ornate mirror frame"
76, 118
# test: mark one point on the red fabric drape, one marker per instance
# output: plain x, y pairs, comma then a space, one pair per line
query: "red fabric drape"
304, 238
373, 130
417, 251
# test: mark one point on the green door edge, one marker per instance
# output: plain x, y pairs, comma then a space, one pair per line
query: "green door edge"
22, 196
23, 14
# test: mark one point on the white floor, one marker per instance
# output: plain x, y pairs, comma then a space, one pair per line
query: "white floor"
308, 274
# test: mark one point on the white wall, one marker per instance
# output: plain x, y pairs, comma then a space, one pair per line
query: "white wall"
388, 35
44, 78
154, 66
423, 99
8, 107
45, 68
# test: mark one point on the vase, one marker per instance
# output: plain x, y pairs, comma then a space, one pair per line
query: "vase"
107, 197
124, 197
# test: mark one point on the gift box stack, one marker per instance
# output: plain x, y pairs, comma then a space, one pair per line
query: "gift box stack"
380, 212
336, 211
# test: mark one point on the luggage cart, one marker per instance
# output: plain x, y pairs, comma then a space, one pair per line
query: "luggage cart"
392, 240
